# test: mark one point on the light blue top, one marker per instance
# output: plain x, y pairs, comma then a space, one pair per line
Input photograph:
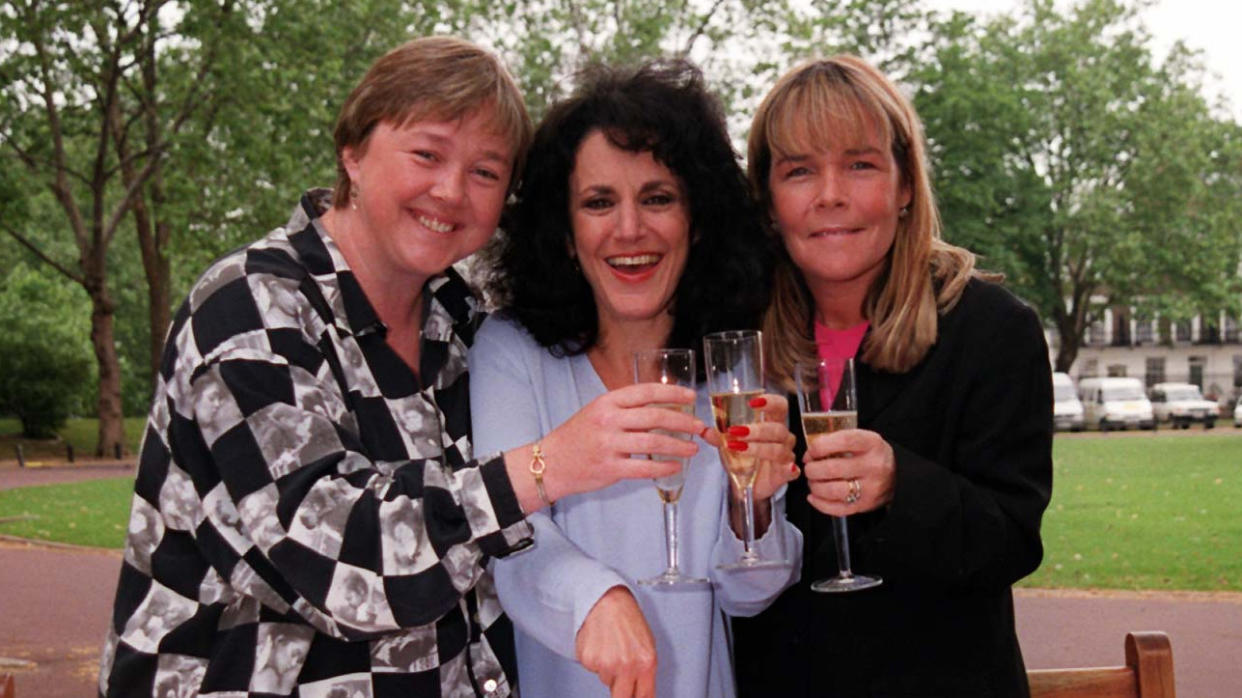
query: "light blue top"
586, 544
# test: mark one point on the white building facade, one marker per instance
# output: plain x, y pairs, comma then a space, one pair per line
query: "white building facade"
1205, 351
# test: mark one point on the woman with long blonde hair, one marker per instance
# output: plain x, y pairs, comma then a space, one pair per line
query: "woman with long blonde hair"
947, 477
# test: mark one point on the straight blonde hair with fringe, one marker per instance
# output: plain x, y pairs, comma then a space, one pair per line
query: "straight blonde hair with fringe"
826, 102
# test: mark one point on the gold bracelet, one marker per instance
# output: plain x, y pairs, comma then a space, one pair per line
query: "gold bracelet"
537, 468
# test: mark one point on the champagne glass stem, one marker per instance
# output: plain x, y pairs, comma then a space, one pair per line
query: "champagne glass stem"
670, 537
748, 523
841, 536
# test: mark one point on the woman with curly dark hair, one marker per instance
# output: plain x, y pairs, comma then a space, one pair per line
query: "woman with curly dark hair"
632, 230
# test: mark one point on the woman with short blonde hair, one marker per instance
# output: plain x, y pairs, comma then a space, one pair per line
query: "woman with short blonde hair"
949, 472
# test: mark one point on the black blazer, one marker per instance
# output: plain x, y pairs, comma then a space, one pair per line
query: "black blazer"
971, 429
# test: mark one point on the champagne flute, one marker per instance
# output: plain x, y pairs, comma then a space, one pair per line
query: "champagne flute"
672, 367
734, 367
828, 401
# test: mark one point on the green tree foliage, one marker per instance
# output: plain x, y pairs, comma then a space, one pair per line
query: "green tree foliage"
87, 117
191, 126
546, 41
186, 120
742, 45
45, 367
1075, 163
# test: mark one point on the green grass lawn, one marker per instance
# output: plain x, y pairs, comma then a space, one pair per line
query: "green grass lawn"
83, 434
1160, 511
92, 513
1153, 511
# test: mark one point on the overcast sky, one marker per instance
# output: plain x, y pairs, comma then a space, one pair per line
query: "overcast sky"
1209, 25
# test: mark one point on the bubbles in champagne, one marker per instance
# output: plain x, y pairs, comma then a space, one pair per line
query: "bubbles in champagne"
816, 423
733, 409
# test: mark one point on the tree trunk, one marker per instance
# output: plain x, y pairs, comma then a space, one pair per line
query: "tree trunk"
153, 230
111, 419
159, 291
1066, 354
153, 242
153, 236
1071, 326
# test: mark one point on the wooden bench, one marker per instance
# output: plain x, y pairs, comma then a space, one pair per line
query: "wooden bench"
1148, 673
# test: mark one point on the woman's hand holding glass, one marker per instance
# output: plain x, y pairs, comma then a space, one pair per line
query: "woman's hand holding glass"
593, 449
669, 367
734, 366
854, 463
833, 460
771, 442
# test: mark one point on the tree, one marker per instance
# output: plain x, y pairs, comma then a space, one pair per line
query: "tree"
741, 45
196, 123
1087, 173
78, 88
153, 112
271, 75
44, 365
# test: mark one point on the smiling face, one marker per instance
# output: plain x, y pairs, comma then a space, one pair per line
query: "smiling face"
429, 194
631, 231
837, 208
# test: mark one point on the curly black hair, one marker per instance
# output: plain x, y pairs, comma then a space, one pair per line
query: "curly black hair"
664, 108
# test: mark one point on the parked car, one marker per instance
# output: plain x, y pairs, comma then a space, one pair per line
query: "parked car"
1237, 413
1066, 407
1181, 404
1115, 403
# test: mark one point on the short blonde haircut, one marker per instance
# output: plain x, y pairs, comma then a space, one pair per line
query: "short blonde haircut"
438, 77
830, 101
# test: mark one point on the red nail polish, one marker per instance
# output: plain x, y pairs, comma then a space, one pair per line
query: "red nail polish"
793, 468
739, 431
738, 445
759, 402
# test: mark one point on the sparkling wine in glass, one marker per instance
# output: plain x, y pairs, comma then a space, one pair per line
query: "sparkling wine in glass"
734, 368
672, 367
828, 401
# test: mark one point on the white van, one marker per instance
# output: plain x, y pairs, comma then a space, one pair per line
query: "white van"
1181, 404
1115, 403
1066, 409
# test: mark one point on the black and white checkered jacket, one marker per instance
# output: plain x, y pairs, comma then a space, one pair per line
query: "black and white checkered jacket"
308, 519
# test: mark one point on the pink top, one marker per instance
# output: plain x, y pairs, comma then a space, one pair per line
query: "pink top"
837, 344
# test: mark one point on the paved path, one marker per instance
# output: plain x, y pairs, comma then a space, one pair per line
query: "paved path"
12, 476
54, 610
55, 604
1079, 628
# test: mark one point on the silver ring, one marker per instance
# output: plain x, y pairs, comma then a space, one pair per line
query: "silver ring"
855, 491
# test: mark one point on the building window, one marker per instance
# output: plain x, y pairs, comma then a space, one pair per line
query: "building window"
1121, 327
1116, 370
1209, 331
1143, 333
1095, 334
1155, 370
1181, 331
1196, 370
1237, 370
1231, 329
